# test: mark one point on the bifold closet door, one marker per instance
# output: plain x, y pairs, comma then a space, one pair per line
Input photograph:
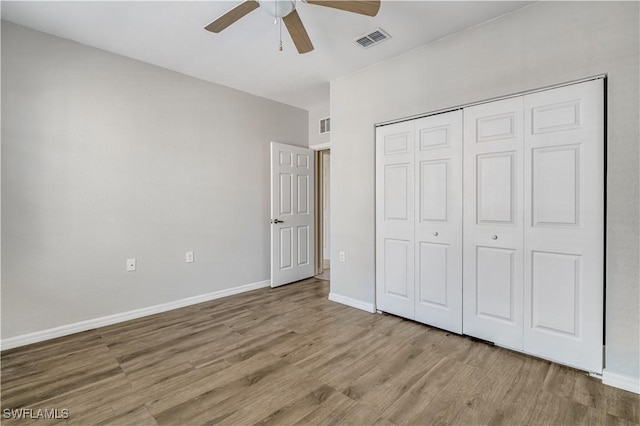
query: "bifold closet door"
493, 222
395, 292
534, 223
438, 225
419, 220
564, 224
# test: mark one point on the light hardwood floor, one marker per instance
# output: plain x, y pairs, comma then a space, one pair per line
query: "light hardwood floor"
288, 355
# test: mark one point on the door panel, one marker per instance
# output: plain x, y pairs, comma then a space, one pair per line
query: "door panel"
303, 245
496, 188
292, 195
438, 228
397, 196
555, 176
303, 194
564, 224
495, 282
398, 267
555, 287
493, 127
434, 184
493, 222
434, 278
286, 194
395, 292
286, 248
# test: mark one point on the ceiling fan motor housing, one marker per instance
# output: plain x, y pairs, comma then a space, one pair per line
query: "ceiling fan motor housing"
278, 8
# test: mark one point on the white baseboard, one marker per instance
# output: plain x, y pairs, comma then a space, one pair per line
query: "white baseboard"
352, 302
64, 330
621, 381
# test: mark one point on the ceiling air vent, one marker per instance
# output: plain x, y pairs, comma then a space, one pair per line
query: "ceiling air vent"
374, 37
325, 125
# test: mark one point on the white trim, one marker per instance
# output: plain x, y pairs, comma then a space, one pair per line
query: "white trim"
321, 146
352, 302
621, 381
64, 330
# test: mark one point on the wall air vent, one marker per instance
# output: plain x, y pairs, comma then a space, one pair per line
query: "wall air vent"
372, 38
325, 125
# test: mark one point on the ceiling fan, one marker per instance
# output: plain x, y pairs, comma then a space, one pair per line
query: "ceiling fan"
286, 11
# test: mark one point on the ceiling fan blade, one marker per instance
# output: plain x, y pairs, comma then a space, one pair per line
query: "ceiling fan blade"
298, 32
232, 16
363, 7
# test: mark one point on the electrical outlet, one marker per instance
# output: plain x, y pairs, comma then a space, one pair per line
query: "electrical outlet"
342, 256
131, 265
189, 257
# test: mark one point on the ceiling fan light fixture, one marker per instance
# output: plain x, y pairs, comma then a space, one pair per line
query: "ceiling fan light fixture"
284, 11
278, 8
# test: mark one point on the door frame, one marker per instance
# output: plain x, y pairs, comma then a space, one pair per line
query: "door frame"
319, 199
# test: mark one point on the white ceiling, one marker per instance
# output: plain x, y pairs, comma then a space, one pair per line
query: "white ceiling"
245, 56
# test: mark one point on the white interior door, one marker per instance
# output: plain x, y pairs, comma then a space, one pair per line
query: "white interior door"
292, 213
564, 224
438, 225
395, 219
493, 222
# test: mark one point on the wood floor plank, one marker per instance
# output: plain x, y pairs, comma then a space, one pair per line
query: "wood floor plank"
290, 356
276, 391
168, 387
247, 371
623, 404
375, 369
33, 392
94, 416
138, 417
296, 409
333, 411
383, 390
436, 397
509, 386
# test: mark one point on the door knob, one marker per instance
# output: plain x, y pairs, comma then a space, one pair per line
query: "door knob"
494, 237
277, 221
435, 234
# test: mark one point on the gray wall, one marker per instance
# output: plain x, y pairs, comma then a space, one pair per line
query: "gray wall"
106, 158
544, 44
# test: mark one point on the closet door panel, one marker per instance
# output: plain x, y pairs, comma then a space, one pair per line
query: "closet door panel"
395, 216
438, 227
493, 222
564, 224
496, 188
495, 284
434, 274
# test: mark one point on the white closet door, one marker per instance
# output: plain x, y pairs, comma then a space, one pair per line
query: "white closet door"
493, 222
438, 228
395, 219
564, 224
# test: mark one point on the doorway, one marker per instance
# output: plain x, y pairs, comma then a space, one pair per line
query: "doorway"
323, 222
